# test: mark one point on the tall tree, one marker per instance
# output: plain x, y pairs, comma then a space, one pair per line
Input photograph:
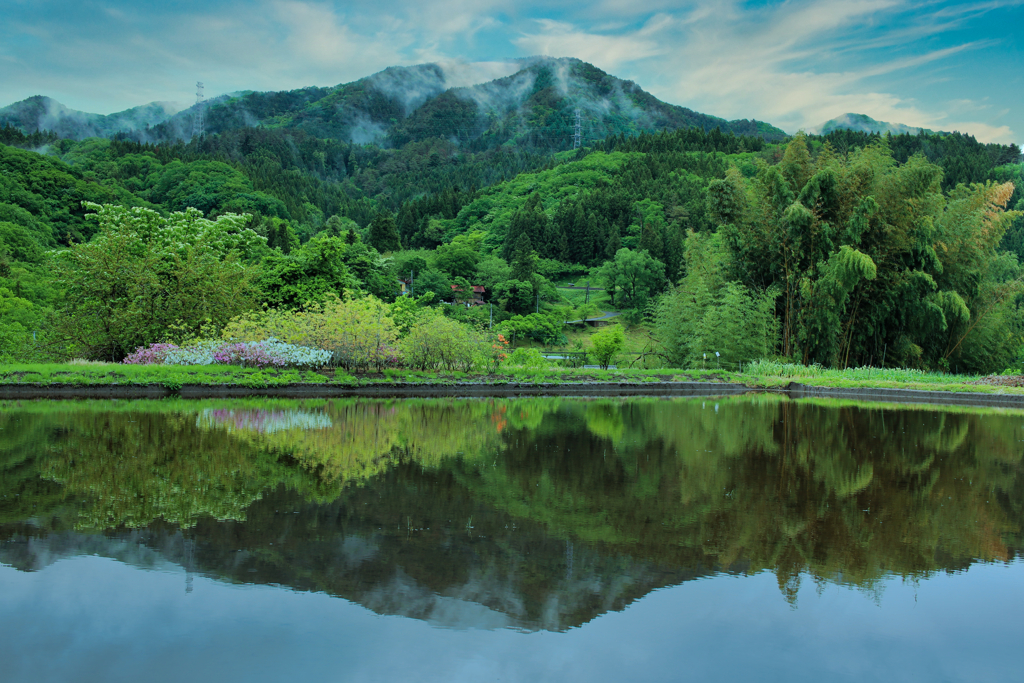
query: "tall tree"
383, 234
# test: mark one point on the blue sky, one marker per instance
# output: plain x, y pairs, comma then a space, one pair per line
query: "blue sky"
942, 65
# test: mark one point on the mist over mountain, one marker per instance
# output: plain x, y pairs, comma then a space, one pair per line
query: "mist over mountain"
866, 124
45, 113
531, 102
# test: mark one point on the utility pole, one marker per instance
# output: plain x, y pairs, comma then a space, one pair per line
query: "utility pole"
412, 282
587, 300
577, 138
490, 325
538, 302
198, 125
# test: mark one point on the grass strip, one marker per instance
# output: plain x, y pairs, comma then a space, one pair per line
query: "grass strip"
759, 376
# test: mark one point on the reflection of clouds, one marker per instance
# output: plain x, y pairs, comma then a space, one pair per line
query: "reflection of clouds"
262, 421
355, 550
404, 596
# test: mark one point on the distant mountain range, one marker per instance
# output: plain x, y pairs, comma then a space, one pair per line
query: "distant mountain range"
536, 106
866, 124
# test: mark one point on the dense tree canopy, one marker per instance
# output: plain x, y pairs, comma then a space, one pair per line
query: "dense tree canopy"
845, 250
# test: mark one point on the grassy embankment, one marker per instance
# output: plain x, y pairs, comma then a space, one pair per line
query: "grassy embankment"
763, 375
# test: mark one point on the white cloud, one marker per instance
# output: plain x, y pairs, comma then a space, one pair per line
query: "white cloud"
608, 51
795, 64
320, 38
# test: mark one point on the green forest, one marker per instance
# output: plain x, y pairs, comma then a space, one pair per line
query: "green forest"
846, 250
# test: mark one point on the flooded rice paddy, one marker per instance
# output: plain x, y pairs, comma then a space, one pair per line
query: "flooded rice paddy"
540, 539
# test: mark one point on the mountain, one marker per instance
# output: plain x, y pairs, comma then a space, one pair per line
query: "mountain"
535, 106
44, 113
866, 124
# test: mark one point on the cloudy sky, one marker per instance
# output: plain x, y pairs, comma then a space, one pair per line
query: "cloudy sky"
942, 65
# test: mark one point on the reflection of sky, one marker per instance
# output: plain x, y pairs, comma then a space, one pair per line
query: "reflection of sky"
93, 619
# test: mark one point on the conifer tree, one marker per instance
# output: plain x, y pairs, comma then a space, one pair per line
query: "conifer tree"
384, 233
652, 242
524, 260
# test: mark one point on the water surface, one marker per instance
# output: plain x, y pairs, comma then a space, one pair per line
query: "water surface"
532, 539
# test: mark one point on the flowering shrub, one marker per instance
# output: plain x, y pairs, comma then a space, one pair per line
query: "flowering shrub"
269, 353
361, 334
154, 354
499, 348
199, 353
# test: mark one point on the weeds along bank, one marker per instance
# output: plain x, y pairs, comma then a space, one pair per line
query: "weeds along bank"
523, 371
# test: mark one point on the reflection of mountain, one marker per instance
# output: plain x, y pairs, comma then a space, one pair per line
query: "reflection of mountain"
534, 513
409, 543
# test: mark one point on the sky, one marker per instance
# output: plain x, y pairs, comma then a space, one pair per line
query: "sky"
796, 64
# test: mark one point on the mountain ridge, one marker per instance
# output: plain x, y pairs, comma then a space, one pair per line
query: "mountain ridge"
534, 104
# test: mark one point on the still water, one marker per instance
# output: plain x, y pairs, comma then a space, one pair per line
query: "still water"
551, 539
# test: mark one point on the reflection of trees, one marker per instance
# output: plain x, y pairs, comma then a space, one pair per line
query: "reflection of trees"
849, 494
23, 493
515, 503
131, 472
366, 438
128, 464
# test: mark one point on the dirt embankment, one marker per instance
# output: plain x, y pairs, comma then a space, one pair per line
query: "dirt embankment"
381, 389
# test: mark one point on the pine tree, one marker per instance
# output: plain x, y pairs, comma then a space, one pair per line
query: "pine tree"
524, 260
614, 242
652, 242
384, 233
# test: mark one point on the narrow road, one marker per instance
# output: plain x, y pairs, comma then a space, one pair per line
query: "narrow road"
608, 315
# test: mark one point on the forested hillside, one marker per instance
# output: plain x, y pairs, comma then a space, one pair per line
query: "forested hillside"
847, 249
532, 108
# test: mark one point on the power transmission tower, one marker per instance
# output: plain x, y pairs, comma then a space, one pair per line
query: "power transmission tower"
198, 125
577, 138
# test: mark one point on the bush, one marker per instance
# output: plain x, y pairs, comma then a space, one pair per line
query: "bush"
154, 354
442, 343
526, 358
543, 327
269, 353
695, 319
606, 344
360, 334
